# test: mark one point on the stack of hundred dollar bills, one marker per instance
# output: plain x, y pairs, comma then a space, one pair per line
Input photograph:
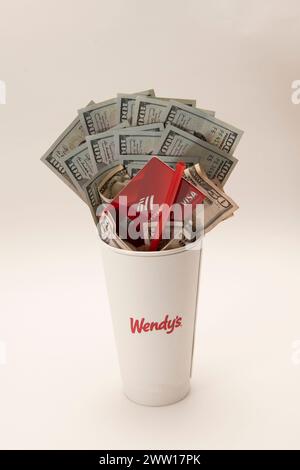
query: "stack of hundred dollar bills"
109, 142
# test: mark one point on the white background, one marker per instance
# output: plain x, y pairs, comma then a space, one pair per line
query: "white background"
60, 385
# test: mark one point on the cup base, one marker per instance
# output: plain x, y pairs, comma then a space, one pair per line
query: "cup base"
160, 396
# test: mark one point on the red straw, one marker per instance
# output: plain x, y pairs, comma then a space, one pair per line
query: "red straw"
170, 198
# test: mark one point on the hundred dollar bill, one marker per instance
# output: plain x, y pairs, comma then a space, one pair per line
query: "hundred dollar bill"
217, 205
156, 126
108, 232
133, 168
181, 235
112, 183
216, 132
71, 138
102, 146
187, 102
99, 117
217, 164
148, 110
125, 104
128, 142
134, 163
79, 167
105, 185
149, 92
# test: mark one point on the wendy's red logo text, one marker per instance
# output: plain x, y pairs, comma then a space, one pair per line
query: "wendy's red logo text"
169, 325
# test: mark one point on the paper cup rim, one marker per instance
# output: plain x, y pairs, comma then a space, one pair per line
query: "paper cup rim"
150, 254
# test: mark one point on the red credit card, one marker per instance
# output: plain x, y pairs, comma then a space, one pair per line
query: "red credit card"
150, 187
